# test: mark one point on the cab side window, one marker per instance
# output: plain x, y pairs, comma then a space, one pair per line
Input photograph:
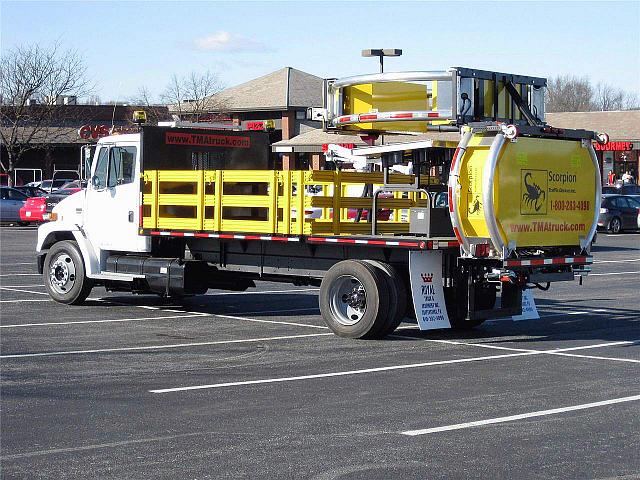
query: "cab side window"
99, 179
121, 165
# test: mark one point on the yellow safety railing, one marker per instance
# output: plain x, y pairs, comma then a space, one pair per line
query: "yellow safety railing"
271, 202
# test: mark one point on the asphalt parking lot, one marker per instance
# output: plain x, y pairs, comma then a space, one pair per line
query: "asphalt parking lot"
252, 385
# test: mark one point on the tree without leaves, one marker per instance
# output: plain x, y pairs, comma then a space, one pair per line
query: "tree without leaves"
32, 74
573, 94
191, 96
569, 94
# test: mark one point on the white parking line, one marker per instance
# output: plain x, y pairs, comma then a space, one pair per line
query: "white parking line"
579, 312
613, 273
162, 347
114, 320
337, 374
20, 275
372, 370
284, 310
560, 352
23, 286
276, 322
27, 300
186, 315
23, 291
521, 416
617, 261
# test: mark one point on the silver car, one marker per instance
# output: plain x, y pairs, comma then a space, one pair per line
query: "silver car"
619, 212
11, 201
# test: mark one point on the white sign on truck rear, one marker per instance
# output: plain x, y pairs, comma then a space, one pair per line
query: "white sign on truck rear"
427, 291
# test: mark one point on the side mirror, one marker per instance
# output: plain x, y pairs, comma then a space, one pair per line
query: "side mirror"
95, 181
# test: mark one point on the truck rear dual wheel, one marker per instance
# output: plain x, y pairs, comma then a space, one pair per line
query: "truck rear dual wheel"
354, 300
64, 275
397, 295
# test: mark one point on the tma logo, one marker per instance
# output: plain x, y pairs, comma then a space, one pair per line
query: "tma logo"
427, 277
533, 192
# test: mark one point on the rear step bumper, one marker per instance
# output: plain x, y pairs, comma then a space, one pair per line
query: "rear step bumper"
537, 262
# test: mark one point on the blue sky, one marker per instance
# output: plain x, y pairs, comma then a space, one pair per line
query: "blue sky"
127, 45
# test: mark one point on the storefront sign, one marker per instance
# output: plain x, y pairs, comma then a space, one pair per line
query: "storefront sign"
614, 146
259, 125
255, 125
93, 132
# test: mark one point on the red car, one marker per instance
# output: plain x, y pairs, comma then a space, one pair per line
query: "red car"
37, 209
33, 210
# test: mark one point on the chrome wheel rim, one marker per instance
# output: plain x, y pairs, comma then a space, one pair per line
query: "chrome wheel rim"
615, 225
347, 300
62, 274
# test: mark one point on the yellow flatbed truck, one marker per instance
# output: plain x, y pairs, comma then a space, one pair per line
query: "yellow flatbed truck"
511, 206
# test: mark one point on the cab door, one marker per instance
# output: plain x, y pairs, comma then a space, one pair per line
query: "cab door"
113, 200
630, 211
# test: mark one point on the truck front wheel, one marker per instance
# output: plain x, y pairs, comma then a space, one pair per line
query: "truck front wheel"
354, 300
64, 274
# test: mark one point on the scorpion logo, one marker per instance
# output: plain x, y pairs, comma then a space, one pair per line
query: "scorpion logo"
476, 205
534, 196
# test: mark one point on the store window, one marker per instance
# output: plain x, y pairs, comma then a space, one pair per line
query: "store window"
626, 162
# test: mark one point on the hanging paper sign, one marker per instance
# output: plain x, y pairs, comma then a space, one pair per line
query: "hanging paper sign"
425, 269
529, 309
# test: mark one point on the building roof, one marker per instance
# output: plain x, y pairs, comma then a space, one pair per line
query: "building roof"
313, 140
280, 90
72, 115
619, 125
47, 135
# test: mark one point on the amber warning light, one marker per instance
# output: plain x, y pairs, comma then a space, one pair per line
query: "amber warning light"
139, 117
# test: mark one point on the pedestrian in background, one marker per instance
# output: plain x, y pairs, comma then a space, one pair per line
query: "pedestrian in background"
611, 178
626, 177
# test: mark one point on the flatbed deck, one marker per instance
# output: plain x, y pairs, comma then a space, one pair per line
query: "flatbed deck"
397, 241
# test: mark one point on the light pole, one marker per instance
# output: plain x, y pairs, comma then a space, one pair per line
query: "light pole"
381, 53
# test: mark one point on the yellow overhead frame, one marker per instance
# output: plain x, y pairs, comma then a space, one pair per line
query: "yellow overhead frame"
386, 97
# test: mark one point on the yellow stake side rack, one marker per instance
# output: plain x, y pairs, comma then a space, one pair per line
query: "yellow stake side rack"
268, 201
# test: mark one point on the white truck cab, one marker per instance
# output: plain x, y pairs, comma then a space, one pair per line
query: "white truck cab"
102, 219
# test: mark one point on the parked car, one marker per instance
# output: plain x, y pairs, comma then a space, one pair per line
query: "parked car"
74, 185
11, 201
622, 189
38, 209
31, 191
619, 212
53, 185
